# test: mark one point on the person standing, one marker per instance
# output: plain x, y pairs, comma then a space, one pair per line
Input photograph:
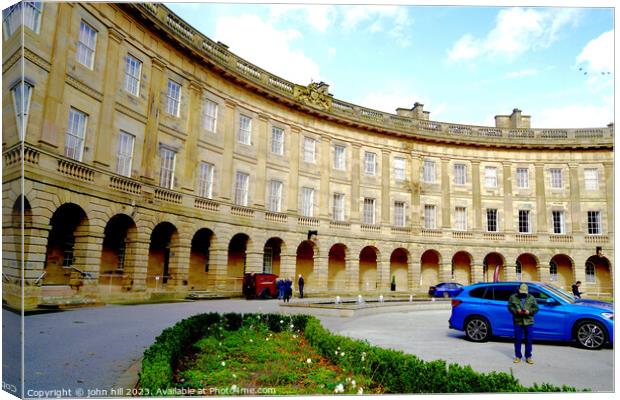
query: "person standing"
288, 290
523, 306
300, 284
280, 288
576, 291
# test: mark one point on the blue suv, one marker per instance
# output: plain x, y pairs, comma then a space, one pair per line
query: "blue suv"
481, 311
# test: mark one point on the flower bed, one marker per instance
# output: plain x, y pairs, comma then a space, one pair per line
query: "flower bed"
381, 369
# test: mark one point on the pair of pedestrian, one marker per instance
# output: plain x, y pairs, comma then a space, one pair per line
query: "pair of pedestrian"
287, 290
280, 288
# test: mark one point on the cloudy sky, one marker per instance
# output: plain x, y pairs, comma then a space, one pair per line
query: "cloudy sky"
466, 64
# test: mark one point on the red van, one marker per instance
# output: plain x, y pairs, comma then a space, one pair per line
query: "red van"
260, 286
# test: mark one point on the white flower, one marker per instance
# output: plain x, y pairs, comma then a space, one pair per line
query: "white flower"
234, 375
338, 347
281, 321
342, 354
292, 326
336, 352
360, 391
353, 383
267, 339
251, 340
339, 388
223, 363
294, 336
233, 388
309, 361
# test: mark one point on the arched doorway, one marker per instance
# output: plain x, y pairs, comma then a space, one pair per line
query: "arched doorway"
336, 267
236, 261
399, 268
561, 271
528, 264
429, 268
490, 263
598, 274
271, 256
368, 269
59, 257
163, 238
118, 242
461, 267
305, 265
199, 260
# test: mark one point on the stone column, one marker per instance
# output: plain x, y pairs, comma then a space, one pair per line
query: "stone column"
477, 273
262, 141
228, 128
293, 188
254, 261
104, 150
137, 260
218, 266
179, 265
32, 261
476, 199
575, 201
325, 173
544, 275
415, 161
414, 272
385, 188
541, 203
445, 271
510, 272
149, 149
352, 273
355, 182
508, 212
288, 264
87, 253
320, 268
383, 274
194, 128
51, 134
445, 193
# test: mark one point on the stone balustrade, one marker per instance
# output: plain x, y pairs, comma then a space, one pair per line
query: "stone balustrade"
276, 217
168, 196
125, 185
242, 211
206, 204
75, 170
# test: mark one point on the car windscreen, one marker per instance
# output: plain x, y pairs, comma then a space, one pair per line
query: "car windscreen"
560, 293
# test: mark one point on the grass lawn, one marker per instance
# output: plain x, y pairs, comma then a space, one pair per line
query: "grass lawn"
254, 358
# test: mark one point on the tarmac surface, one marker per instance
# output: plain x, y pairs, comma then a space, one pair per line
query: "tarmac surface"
89, 350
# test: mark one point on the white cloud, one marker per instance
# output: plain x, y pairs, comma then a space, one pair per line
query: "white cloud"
331, 52
598, 54
522, 73
517, 31
320, 17
260, 43
376, 18
574, 116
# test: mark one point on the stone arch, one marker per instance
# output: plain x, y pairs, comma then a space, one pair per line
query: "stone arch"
598, 274
430, 261
164, 237
528, 263
461, 267
199, 272
368, 267
336, 267
564, 267
272, 255
68, 220
399, 268
491, 260
237, 260
307, 251
117, 249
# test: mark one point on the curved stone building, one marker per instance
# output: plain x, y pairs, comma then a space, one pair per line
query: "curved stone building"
156, 163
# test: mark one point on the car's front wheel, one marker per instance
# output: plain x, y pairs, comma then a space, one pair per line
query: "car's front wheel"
477, 329
590, 335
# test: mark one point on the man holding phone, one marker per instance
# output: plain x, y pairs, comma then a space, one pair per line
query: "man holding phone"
523, 306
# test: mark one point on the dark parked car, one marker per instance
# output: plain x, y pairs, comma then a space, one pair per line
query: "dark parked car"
481, 311
260, 286
445, 289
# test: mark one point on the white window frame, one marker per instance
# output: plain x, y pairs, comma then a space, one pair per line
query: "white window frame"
21, 105
555, 178
369, 214
557, 221
460, 174
460, 218
340, 160
370, 163
400, 215
210, 115
205, 180
244, 133
490, 177
338, 207
242, 188
594, 222
76, 134
133, 73
13, 17
523, 178
491, 216
429, 171
277, 140
521, 222
173, 98
87, 45
309, 149
307, 202
430, 216
124, 154
399, 170
591, 179
167, 166
275, 196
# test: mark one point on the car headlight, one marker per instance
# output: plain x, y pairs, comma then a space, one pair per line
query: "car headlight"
608, 315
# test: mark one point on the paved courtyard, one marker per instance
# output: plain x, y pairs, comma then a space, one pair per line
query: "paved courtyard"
91, 348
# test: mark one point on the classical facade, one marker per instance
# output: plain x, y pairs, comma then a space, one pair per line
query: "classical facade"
142, 159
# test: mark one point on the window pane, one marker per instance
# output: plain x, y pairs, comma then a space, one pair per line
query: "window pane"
369, 211
166, 174
490, 177
399, 168
556, 178
591, 178
74, 143
491, 220
524, 221
429, 171
210, 116
522, 178
429, 217
594, 222
309, 150
242, 182
461, 218
399, 214
307, 202
86, 45
369, 163
22, 92
339, 157
173, 98
275, 196
277, 140
205, 184
338, 207
133, 69
558, 222
125, 153
459, 174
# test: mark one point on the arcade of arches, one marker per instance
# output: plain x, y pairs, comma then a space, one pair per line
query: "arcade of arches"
125, 255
